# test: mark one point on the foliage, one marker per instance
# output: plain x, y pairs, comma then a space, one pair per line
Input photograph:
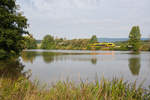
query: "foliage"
93, 39
89, 48
97, 48
145, 46
3, 54
135, 38
123, 46
23, 89
83, 44
48, 42
59, 43
12, 28
30, 42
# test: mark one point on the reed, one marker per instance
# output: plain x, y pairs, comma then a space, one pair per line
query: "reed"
117, 89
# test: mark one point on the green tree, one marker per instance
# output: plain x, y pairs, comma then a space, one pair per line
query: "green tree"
93, 39
135, 39
12, 28
30, 42
48, 42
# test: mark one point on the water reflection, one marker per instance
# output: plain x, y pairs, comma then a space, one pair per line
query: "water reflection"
48, 57
134, 65
94, 61
11, 69
52, 65
28, 57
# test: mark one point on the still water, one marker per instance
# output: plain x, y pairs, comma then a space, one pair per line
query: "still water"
53, 65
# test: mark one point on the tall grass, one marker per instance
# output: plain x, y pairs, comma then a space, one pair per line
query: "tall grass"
23, 89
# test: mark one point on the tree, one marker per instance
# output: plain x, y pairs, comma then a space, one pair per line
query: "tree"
93, 39
12, 28
134, 39
30, 42
48, 42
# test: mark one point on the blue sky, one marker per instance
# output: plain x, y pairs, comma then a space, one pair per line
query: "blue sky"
84, 18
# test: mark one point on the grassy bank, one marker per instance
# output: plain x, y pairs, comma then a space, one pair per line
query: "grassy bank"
23, 89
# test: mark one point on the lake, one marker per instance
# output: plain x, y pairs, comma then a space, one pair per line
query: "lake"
54, 65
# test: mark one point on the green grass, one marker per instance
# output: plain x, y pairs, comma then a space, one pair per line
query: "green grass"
23, 89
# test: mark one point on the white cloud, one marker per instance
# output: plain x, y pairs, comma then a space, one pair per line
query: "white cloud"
108, 18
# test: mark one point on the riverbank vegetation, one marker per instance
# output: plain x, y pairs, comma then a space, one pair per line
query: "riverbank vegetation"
75, 44
133, 44
83, 44
145, 45
123, 45
117, 89
30, 42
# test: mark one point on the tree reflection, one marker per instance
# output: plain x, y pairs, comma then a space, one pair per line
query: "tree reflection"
94, 61
11, 69
134, 65
28, 56
48, 57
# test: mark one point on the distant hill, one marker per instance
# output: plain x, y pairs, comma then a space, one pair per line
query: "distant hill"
105, 39
116, 39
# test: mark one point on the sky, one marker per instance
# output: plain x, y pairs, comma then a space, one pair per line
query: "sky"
83, 18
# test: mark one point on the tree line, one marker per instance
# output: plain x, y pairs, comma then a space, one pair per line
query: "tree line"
49, 42
134, 43
14, 36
